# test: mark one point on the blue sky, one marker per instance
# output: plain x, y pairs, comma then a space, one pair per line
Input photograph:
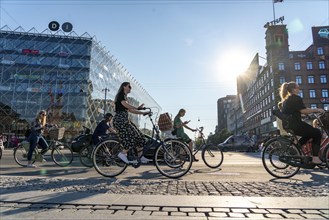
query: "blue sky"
186, 54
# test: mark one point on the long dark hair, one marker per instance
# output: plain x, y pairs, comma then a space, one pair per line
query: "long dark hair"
120, 91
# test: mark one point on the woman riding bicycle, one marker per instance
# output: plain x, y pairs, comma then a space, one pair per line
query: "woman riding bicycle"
36, 137
180, 125
130, 136
293, 105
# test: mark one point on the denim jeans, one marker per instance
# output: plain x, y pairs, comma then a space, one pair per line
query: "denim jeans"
34, 139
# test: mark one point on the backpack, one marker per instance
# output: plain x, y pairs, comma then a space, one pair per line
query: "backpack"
165, 122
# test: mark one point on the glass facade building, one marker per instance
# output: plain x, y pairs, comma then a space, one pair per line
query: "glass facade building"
74, 78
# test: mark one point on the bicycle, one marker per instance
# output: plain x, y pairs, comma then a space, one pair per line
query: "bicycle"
172, 157
85, 153
283, 156
61, 153
211, 155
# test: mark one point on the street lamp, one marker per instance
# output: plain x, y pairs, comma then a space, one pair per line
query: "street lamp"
105, 90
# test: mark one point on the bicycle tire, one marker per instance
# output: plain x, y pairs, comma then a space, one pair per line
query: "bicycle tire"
212, 156
20, 155
326, 156
275, 148
85, 156
105, 158
173, 158
62, 155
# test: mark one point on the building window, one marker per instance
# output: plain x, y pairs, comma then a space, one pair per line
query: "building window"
320, 51
326, 107
313, 106
323, 78
297, 66
322, 66
281, 66
272, 82
309, 65
282, 79
324, 93
299, 80
312, 93
310, 79
301, 94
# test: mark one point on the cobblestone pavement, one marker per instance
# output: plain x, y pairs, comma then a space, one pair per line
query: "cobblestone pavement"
14, 210
41, 210
166, 187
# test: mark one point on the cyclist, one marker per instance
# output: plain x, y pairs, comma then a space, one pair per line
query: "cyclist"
103, 128
179, 125
293, 105
36, 137
131, 137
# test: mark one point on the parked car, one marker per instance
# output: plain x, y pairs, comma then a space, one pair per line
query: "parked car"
2, 147
324, 33
237, 143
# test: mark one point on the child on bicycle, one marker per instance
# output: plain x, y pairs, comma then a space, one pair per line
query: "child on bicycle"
36, 137
103, 128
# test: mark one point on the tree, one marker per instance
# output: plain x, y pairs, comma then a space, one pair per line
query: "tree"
219, 137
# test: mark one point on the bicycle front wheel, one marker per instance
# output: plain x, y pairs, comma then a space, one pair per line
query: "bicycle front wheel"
212, 156
105, 158
85, 156
62, 155
326, 156
20, 155
173, 158
274, 151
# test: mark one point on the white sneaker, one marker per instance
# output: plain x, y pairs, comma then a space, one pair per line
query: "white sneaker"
145, 160
43, 161
124, 158
31, 165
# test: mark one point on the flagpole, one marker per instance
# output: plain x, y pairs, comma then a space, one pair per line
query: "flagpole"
273, 9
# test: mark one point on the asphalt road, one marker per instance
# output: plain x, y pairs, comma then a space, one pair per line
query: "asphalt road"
237, 167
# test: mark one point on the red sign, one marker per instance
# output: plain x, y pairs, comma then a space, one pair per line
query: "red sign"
28, 51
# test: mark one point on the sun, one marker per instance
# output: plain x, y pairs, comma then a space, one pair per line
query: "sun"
232, 63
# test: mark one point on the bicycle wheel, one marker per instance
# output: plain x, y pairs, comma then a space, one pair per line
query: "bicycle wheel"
62, 155
85, 156
173, 158
212, 156
20, 155
326, 156
105, 158
272, 155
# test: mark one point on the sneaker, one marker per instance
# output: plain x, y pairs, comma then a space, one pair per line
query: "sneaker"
43, 161
31, 165
145, 160
124, 158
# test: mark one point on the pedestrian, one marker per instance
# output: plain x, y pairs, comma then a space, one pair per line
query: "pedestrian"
179, 125
103, 128
293, 105
36, 137
131, 137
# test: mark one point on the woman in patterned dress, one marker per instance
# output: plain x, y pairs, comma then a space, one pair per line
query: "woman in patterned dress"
131, 137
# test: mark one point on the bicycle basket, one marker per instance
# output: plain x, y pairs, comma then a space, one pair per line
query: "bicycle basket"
325, 120
56, 133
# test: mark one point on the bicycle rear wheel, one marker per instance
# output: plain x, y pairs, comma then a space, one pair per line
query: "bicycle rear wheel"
173, 158
105, 158
62, 155
20, 155
85, 156
212, 156
276, 149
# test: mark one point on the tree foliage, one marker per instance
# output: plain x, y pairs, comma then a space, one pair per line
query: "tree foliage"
219, 137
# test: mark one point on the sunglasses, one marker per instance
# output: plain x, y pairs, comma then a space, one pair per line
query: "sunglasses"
129, 87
